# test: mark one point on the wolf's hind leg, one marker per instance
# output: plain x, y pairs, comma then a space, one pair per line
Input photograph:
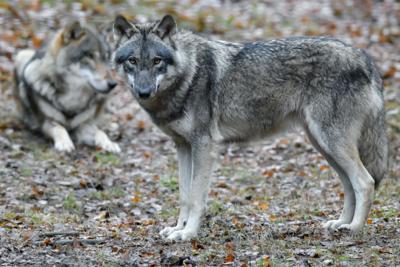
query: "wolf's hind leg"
341, 146
89, 134
60, 136
349, 196
185, 170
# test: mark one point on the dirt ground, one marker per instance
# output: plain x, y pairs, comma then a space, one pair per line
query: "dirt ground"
267, 201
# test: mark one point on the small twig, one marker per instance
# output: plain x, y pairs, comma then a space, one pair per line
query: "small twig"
81, 241
52, 234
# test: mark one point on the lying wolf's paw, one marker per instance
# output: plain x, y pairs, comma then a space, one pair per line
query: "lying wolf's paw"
64, 145
333, 224
111, 147
169, 230
181, 235
102, 140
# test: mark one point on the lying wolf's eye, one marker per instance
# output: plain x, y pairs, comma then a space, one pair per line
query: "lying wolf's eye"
156, 61
132, 60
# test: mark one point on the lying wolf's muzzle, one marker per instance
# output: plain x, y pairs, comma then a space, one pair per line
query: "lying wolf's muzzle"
111, 84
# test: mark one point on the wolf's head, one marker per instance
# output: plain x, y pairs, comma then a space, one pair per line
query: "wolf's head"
146, 55
81, 58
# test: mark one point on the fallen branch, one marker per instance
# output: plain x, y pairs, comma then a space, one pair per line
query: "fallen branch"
52, 234
81, 241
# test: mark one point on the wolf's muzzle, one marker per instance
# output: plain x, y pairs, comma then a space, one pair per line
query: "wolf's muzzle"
111, 84
144, 92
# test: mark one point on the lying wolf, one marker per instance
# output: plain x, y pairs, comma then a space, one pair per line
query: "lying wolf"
62, 88
203, 92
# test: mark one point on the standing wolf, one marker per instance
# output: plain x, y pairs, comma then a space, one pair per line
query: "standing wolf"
62, 87
203, 92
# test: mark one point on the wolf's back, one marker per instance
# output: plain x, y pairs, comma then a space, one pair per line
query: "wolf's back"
22, 95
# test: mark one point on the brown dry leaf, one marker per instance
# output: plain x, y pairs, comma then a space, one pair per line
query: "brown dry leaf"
147, 222
129, 117
390, 72
146, 254
36, 192
141, 125
229, 258
272, 218
266, 261
269, 173
263, 206
135, 198
83, 183
369, 221
27, 235
35, 5
47, 241
100, 9
302, 173
147, 154
37, 41
341, 195
324, 168
196, 245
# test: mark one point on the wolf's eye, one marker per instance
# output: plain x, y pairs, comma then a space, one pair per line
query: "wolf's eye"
132, 60
156, 61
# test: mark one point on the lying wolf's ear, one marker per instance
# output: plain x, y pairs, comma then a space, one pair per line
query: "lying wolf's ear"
73, 31
166, 27
123, 28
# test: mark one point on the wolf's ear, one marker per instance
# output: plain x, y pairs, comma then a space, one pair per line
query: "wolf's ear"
123, 28
73, 31
166, 27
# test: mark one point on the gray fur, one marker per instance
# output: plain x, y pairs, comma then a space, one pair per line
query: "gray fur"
218, 92
62, 87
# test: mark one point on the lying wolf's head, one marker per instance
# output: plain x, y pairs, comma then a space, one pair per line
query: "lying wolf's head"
146, 55
81, 59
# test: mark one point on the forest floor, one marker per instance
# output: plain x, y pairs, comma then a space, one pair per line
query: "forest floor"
267, 201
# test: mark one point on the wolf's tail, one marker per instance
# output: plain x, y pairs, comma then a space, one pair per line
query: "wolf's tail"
373, 143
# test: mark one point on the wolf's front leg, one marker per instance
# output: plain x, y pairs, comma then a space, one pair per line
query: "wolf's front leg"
89, 134
60, 136
185, 171
202, 165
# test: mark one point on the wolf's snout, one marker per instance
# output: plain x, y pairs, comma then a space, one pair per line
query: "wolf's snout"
111, 84
144, 92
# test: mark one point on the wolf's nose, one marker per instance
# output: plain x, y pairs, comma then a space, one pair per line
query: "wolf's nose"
144, 95
111, 84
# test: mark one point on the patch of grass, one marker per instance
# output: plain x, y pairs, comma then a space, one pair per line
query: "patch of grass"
216, 207
70, 203
25, 171
107, 158
35, 218
116, 192
170, 182
168, 213
39, 154
108, 194
343, 258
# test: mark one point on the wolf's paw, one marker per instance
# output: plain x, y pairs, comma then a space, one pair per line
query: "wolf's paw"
112, 147
169, 230
181, 235
353, 228
333, 224
64, 145
106, 144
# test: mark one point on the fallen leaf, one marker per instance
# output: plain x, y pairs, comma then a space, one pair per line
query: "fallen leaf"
140, 125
